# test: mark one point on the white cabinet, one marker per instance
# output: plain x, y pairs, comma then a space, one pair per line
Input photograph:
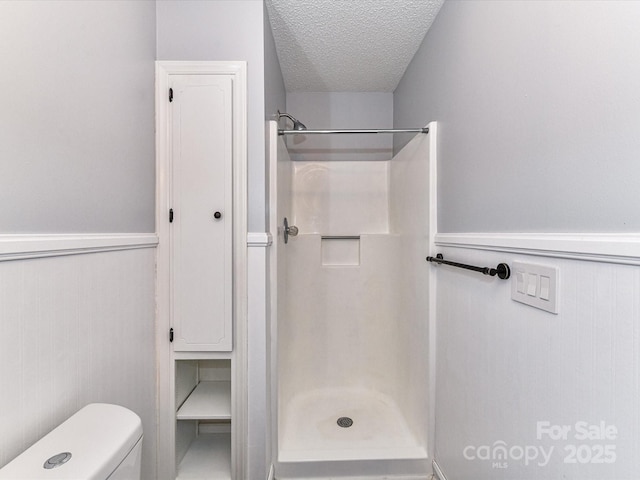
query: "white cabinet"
201, 223
201, 220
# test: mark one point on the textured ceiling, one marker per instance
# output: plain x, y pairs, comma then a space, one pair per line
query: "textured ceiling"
348, 45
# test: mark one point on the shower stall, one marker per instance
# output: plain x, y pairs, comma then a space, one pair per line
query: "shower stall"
351, 338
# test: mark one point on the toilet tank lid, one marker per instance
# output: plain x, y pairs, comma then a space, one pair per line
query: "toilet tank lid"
99, 437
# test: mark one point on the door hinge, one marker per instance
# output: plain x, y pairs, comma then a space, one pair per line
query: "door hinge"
171, 215
171, 335
171, 94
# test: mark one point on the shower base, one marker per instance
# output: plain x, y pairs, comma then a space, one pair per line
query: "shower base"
310, 431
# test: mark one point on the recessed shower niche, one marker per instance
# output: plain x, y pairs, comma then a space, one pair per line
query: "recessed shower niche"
349, 318
340, 251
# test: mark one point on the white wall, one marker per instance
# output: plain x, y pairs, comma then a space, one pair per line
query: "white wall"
280, 206
75, 330
76, 127
340, 198
337, 110
538, 106
410, 227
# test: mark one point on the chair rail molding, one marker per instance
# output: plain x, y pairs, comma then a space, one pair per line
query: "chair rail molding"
26, 246
619, 248
259, 239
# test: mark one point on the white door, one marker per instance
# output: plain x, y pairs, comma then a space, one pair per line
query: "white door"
201, 212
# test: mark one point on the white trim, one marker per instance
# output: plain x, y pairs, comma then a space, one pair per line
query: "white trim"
240, 363
19, 247
259, 239
598, 247
180, 67
438, 471
432, 288
166, 464
433, 181
271, 444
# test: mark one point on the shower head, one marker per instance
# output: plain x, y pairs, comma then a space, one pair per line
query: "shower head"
297, 124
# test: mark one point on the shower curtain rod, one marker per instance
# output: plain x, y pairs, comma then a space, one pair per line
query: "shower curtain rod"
323, 132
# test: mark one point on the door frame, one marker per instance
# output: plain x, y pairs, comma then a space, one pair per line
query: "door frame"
165, 355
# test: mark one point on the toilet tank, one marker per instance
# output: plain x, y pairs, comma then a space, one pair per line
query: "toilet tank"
103, 440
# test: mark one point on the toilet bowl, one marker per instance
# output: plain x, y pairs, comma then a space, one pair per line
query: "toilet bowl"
99, 442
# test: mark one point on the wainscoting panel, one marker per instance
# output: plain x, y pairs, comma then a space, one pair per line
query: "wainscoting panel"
76, 329
508, 373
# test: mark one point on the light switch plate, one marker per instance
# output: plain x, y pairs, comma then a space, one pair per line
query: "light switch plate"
541, 285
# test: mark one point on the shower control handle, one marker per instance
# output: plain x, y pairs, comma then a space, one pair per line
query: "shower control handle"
289, 230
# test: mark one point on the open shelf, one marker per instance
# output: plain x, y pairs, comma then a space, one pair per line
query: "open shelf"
208, 458
208, 401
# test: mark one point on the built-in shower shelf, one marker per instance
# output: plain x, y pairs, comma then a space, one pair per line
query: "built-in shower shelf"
208, 458
208, 401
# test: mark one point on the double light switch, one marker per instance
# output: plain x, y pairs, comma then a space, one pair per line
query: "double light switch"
535, 285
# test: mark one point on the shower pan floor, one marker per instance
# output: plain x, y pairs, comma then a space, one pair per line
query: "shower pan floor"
379, 431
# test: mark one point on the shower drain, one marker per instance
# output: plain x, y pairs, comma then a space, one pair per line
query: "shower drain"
344, 422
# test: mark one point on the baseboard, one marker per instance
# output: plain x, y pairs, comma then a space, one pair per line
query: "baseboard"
374, 477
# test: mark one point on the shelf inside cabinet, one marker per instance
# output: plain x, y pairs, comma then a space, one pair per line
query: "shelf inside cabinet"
208, 457
208, 401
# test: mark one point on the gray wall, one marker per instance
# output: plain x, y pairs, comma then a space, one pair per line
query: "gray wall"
538, 107
76, 123
259, 459
337, 110
224, 30
77, 155
275, 94
537, 104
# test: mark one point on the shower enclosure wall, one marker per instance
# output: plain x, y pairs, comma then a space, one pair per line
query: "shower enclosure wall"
351, 343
